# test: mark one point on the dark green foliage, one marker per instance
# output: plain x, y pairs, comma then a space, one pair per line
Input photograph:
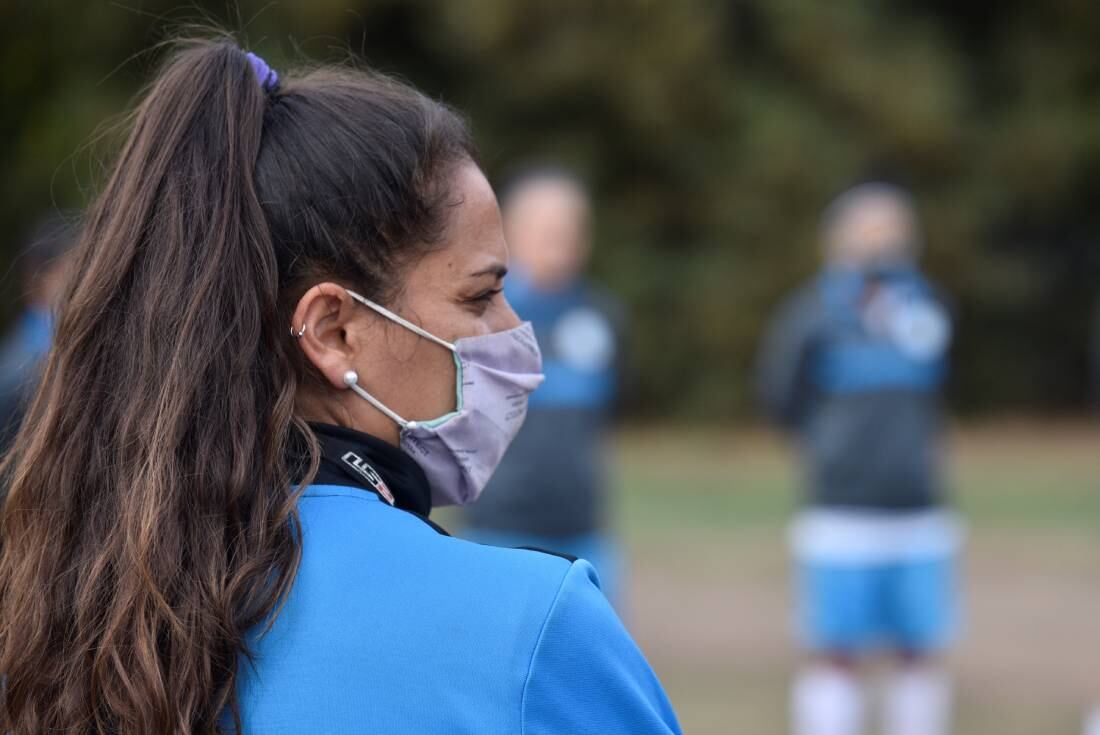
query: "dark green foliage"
712, 132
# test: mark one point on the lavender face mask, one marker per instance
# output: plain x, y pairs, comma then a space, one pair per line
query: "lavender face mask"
494, 375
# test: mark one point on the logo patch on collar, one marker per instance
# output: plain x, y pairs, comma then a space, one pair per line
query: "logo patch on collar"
368, 473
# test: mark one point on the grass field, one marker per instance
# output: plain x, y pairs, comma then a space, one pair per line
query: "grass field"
702, 514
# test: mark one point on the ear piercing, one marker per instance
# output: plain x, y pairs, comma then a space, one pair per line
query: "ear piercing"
299, 333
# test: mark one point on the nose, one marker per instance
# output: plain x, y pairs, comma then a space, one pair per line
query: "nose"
508, 318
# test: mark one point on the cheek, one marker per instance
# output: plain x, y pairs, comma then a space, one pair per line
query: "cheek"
413, 376
434, 388
461, 321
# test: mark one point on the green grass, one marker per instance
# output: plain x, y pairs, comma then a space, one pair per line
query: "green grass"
717, 481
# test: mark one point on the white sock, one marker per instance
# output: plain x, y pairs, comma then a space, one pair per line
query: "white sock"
1092, 722
826, 700
917, 701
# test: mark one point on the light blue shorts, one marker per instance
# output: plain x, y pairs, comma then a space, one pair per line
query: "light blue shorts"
597, 549
847, 608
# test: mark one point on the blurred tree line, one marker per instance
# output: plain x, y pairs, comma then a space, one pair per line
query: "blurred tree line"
712, 134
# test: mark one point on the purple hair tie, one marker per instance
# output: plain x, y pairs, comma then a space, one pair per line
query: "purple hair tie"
268, 77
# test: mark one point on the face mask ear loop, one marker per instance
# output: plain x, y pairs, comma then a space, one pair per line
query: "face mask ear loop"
400, 320
351, 380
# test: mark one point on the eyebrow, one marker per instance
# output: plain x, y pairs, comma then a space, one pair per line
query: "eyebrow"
498, 271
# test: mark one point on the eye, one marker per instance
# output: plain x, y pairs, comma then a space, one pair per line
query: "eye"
480, 304
487, 296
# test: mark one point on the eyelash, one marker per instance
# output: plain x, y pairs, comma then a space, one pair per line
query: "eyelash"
487, 296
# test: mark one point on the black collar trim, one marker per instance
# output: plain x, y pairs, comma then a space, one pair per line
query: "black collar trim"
352, 458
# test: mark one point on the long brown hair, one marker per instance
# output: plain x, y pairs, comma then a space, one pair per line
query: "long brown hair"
150, 525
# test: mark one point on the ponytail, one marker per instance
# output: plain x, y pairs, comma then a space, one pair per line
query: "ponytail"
150, 523
150, 526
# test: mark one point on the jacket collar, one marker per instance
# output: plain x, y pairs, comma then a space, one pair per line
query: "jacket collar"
352, 458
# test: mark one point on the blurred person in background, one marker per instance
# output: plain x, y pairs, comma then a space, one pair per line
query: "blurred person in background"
1094, 353
854, 364
551, 491
42, 268
1092, 718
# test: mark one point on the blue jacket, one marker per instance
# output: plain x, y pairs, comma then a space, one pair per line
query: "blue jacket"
855, 363
21, 354
395, 628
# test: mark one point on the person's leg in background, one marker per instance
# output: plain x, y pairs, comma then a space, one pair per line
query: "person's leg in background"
838, 619
1092, 722
828, 699
922, 610
917, 698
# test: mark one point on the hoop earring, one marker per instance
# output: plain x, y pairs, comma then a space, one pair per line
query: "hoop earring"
299, 333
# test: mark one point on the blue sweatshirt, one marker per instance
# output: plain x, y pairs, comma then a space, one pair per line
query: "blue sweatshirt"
393, 627
855, 363
22, 352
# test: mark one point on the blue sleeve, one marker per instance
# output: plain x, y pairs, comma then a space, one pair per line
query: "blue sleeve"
587, 675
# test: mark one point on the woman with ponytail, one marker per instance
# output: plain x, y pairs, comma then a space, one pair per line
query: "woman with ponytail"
284, 342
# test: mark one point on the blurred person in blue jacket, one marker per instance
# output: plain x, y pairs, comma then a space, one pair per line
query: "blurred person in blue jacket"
854, 365
42, 268
552, 489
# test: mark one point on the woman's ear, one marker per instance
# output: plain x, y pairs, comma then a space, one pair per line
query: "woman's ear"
320, 327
